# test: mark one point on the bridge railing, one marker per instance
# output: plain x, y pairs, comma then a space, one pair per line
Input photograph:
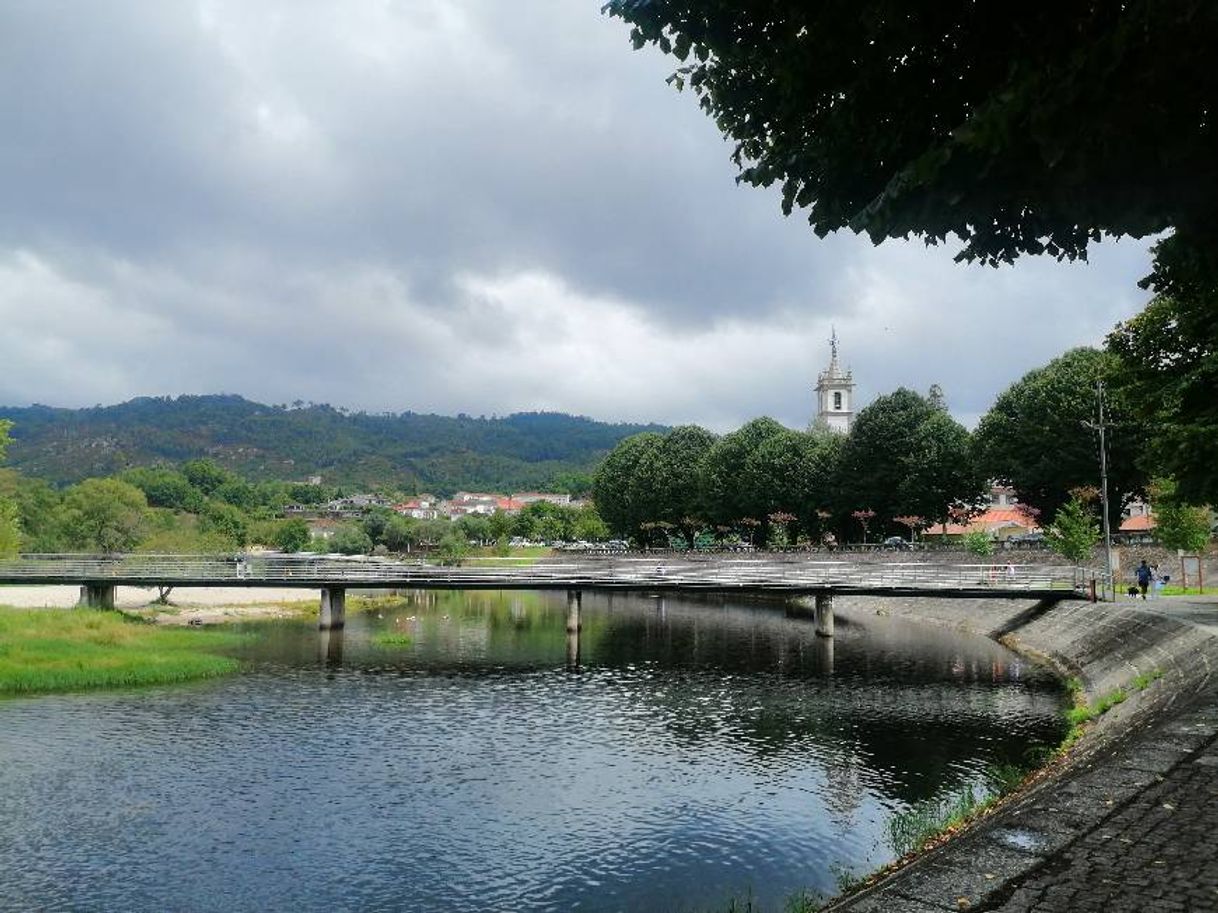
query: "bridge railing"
626, 571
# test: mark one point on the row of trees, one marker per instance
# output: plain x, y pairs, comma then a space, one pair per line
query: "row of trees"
539, 521
905, 463
1039, 138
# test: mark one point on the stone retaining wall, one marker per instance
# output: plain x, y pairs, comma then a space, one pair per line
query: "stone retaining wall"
1106, 646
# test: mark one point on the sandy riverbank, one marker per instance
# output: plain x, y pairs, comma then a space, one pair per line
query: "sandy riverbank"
196, 605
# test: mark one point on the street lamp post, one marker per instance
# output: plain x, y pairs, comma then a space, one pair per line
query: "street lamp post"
1099, 391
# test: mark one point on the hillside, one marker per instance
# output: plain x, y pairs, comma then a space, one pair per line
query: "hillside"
425, 452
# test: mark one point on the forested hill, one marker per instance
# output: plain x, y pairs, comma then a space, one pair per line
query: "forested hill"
432, 453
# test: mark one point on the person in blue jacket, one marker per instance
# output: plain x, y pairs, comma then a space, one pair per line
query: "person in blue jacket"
1144, 575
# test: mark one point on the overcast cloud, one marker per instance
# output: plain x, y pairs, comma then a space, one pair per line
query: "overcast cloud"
451, 206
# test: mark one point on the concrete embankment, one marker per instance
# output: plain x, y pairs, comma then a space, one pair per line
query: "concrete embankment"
1145, 743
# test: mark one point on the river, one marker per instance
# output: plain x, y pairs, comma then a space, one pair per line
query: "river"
444, 753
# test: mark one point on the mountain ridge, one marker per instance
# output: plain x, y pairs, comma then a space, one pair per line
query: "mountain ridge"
406, 450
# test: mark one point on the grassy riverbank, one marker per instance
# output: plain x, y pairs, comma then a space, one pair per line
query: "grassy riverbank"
44, 650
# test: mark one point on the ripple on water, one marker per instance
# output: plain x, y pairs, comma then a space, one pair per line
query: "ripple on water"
696, 757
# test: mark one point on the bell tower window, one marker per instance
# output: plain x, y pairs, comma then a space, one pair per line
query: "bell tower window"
837, 401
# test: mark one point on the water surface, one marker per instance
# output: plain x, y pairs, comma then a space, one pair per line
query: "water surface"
699, 750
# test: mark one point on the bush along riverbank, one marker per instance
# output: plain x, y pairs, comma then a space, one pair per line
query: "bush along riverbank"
49, 650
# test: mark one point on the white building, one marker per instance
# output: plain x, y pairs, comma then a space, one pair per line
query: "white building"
835, 394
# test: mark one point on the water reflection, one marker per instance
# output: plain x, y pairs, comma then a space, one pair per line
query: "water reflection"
436, 754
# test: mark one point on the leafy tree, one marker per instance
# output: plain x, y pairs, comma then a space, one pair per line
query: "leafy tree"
293, 535
170, 533
793, 473
978, 543
400, 534
1035, 437
1018, 134
374, 523
501, 525
10, 521
550, 529
225, 520
452, 549
350, 539
729, 492
1167, 374
620, 496
670, 474
205, 475
39, 509
576, 484
1178, 526
238, 493
430, 532
165, 487
1074, 530
10, 529
104, 514
475, 527
588, 526
863, 516
905, 456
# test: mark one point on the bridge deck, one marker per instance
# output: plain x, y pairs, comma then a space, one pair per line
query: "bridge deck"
752, 575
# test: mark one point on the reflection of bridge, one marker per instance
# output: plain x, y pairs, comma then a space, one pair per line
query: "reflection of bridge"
99, 575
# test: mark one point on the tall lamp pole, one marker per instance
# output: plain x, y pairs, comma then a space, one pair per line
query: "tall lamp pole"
1099, 392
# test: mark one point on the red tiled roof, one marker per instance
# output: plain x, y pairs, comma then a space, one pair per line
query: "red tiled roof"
994, 518
1138, 524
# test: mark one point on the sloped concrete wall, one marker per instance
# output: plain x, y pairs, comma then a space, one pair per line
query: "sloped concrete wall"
1130, 749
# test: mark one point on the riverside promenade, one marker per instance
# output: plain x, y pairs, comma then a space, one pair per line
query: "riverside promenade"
1130, 823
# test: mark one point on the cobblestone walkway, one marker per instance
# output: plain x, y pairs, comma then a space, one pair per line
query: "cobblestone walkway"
1131, 828
1157, 853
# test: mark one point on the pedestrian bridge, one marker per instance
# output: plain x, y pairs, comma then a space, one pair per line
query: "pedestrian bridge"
792, 575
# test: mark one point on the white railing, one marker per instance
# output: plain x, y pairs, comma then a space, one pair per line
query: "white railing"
725, 573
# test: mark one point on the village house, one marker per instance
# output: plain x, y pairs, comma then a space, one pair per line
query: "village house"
423, 507
530, 497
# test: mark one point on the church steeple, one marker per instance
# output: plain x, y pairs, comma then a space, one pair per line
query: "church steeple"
834, 392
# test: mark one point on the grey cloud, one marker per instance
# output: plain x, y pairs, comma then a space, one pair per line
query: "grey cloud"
460, 206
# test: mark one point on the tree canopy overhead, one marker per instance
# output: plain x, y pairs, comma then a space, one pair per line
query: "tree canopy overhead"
1036, 435
1029, 132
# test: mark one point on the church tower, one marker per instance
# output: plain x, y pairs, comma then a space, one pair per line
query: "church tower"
834, 394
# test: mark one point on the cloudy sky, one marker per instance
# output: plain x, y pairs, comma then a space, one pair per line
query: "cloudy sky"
450, 206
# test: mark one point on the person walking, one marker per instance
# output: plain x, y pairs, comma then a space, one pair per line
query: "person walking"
1144, 576
1157, 580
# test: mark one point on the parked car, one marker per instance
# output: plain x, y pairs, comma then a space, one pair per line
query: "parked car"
898, 544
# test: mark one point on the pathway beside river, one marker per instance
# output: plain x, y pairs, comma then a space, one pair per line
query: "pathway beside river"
1127, 828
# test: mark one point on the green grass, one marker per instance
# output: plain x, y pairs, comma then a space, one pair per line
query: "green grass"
389, 639
1172, 590
1143, 681
910, 830
46, 650
1083, 713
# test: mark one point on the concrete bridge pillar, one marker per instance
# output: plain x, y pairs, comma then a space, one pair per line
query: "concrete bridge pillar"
333, 608
574, 601
824, 614
330, 647
97, 595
